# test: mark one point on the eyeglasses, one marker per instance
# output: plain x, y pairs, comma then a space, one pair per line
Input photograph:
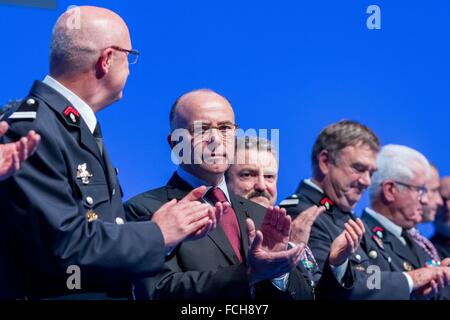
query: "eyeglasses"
421, 190
132, 55
202, 130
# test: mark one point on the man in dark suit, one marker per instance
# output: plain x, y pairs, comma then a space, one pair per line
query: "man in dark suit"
224, 265
441, 238
343, 160
63, 226
398, 197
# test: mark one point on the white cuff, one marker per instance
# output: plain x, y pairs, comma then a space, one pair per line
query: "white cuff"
281, 282
410, 282
339, 271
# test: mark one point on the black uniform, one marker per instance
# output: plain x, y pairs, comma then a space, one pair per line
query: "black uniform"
328, 226
64, 208
442, 244
208, 269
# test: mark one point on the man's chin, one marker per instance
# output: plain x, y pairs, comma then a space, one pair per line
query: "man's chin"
215, 167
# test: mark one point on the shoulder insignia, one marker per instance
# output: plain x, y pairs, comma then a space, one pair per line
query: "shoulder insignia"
26, 110
72, 116
289, 202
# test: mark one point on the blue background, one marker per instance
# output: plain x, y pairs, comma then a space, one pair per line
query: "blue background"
292, 65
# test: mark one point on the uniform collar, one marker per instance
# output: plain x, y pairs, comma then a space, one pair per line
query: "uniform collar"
82, 107
310, 183
196, 182
390, 226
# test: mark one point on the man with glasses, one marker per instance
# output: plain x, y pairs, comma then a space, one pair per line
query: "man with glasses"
235, 261
398, 195
62, 214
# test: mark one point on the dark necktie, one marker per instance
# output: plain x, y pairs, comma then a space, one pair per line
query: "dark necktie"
424, 243
229, 223
98, 137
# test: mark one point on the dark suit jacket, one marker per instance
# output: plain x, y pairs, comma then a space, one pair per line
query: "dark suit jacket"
43, 211
330, 225
442, 245
208, 269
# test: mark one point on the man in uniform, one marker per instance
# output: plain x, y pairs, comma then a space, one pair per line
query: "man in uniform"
62, 213
343, 160
398, 195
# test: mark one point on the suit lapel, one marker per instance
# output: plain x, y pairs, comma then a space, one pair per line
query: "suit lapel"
177, 188
242, 214
58, 103
111, 173
400, 249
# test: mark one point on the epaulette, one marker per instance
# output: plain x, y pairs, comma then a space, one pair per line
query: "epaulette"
290, 201
27, 110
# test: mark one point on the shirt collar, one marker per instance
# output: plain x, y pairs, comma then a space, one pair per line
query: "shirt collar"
196, 182
310, 183
396, 230
82, 107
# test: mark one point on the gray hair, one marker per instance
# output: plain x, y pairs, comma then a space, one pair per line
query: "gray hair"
255, 143
396, 162
71, 48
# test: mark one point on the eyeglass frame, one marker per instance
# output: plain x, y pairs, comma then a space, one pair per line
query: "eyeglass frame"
422, 190
193, 126
134, 53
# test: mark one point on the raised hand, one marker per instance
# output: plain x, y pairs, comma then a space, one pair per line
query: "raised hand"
347, 242
269, 256
301, 225
13, 154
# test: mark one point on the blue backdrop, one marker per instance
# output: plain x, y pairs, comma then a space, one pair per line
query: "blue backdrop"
292, 65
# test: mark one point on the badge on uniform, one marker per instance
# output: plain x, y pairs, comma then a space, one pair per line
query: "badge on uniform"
83, 174
360, 267
91, 216
407, 266
378, 241
378, 236
327, 203
72, 115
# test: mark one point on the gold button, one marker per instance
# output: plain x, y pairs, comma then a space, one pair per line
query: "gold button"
91, 216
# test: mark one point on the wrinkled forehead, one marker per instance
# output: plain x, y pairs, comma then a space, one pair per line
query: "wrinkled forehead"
258, 159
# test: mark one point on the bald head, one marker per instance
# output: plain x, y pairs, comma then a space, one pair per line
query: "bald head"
202, 101
80, 34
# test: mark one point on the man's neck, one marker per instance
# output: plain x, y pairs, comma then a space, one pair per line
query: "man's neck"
83, 88
383, 210
213, 179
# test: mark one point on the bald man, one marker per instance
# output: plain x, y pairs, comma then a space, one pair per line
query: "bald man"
62, 217
236, 261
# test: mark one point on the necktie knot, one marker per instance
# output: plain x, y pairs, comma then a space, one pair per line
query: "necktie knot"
216, 195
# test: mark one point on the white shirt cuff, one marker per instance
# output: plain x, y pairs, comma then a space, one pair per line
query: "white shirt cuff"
410, 282
281, 282
339, 271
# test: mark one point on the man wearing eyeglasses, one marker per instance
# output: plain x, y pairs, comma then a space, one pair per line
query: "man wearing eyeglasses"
236, 261
398, 195
62, 214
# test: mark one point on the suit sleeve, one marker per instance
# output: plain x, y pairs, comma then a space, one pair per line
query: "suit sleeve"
45, 201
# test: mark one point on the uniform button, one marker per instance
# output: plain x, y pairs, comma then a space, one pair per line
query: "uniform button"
119, 220
389, 259
89, 200
31, 101
373, 254
358, 257
114, 191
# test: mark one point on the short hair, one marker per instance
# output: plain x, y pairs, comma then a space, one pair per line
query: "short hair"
254, 142
395, 162
339, 135
71, 49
